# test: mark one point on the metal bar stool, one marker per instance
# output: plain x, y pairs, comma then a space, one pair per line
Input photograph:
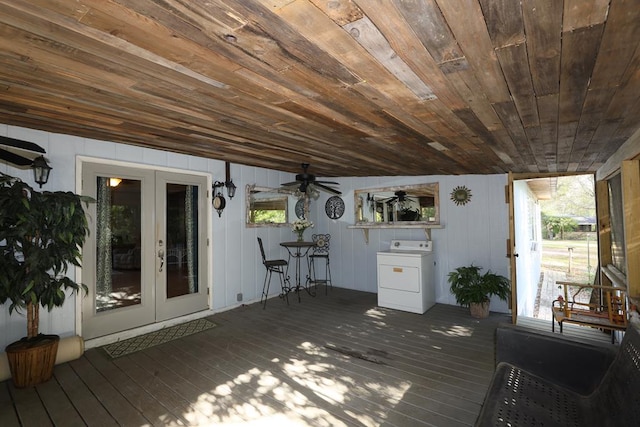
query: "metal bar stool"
273, 266
320, 252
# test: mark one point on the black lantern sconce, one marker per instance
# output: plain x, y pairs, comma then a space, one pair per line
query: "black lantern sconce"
41, 170
219, 202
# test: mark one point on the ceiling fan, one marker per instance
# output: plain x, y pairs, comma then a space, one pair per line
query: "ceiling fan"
306, 182
399, 195
15, 150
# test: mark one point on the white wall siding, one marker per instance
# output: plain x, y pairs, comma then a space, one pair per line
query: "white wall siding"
236, 256
474, 233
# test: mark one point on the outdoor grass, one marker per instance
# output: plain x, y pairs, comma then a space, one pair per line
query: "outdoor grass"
580, 264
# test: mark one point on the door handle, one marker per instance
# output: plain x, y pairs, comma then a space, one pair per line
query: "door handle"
160, 255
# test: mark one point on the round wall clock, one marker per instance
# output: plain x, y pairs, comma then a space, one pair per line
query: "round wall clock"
334, 207
300, 208
219, 203
461, 195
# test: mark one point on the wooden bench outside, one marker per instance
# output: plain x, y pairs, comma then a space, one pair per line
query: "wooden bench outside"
609, 312
543, 379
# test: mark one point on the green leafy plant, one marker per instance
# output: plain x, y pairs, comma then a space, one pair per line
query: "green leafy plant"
469, 286
558, 225
41, 234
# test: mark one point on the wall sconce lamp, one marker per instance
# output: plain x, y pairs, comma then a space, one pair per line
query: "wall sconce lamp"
219, 202
41, 170
231, 188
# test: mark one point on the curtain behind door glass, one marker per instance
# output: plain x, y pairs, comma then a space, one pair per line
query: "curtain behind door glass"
118, 240
182, 239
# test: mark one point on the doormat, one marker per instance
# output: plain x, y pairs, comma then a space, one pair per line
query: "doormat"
131, 345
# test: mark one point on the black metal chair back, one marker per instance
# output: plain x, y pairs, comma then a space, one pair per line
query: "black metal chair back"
264, 258
320, 251
322, 242
277, 266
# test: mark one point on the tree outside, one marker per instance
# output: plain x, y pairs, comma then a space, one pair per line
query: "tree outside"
268, 216
557, 225
570, 236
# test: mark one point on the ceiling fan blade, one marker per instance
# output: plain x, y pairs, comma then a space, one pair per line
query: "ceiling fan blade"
306, 179
327, 189
23, 145
16, 159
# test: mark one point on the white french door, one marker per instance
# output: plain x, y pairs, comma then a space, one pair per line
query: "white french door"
146, 257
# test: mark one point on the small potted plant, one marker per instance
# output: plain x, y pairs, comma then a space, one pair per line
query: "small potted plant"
475, 290
41, 234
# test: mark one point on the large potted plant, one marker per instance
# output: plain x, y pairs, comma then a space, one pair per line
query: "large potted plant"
41, 234
475, 290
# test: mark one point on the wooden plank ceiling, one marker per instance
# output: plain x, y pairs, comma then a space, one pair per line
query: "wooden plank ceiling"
354, 87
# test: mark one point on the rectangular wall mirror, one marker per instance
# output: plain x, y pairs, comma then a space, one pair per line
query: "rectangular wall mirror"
414, 204
269, 207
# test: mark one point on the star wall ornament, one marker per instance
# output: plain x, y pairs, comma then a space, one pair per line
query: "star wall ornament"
461, 195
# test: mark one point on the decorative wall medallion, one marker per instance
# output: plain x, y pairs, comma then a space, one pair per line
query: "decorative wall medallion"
300, 208
334, 207
461, 195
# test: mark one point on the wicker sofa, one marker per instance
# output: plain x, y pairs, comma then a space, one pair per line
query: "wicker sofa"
546, 380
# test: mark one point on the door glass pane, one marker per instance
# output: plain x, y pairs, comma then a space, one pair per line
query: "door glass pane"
182, 239
616, 214
118, 237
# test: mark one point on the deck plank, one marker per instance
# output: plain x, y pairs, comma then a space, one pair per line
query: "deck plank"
436, 379
335, 359
57, 404
248, 382
313, 377
29, 408
8, 416
146, 377
117, 406
82, 397
232, 394
137, 396
339, 372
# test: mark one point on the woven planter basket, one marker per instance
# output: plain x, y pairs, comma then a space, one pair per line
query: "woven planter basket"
479, 310
32, 360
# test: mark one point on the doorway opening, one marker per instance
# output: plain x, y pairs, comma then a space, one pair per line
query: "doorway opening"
556, 239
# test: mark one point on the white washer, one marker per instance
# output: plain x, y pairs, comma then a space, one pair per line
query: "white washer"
405, 276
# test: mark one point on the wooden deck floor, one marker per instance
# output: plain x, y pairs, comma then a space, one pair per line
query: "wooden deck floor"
336, 360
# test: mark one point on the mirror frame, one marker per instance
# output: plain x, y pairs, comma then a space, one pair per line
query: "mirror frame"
434, 186
285, 192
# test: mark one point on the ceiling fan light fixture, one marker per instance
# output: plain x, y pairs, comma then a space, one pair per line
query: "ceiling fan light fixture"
313, 192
